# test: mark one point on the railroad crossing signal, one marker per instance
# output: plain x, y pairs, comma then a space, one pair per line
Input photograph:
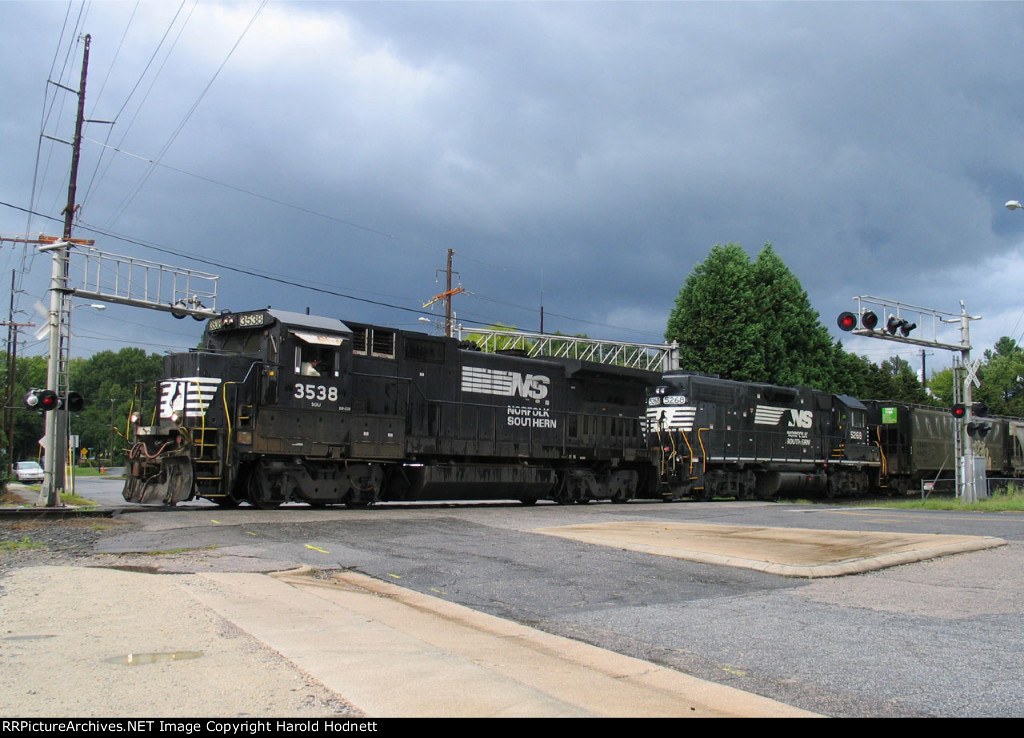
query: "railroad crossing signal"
978, 430
45, 400
904, 326
74, 402
848, 321
42, 400
898, 328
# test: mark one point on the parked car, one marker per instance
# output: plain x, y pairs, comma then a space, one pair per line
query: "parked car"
28, 471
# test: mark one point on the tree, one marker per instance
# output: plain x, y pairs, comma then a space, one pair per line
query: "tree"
28, 424
715, 319
796, 348
1001, 376
113, 384
895, 380
488, 343
1002, 379
751, 321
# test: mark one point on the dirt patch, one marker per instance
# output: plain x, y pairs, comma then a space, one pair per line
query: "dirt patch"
13, 498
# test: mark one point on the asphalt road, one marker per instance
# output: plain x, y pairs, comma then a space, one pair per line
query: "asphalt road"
934, 638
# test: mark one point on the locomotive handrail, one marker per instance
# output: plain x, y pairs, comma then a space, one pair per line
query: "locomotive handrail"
227, 417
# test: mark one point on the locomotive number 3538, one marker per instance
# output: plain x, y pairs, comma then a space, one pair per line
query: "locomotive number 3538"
316, 392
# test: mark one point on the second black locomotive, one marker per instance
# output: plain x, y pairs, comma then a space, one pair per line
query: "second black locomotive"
721, 438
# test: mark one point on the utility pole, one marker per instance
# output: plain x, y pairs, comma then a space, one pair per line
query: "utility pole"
12, 371
924, 370
55, 438
447, 296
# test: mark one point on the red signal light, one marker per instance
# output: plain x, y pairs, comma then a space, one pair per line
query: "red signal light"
959, 411
847, 321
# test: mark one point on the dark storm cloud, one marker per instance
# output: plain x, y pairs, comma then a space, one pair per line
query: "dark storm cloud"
592, 151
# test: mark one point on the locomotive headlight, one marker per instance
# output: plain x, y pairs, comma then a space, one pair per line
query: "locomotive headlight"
175, 417
133, 418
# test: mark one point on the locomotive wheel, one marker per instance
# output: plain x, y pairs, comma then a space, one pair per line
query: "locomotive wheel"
259, 495
562, 494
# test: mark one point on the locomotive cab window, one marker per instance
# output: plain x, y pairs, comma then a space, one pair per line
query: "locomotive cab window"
316, 355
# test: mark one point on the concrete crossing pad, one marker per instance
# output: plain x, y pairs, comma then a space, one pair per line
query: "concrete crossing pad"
791, 552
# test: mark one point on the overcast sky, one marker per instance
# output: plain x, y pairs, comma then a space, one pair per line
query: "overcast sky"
581, 155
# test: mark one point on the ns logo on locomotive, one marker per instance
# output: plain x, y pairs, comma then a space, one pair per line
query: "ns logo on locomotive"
282, 407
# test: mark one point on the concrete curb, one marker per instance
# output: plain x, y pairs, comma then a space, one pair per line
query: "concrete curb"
398, 653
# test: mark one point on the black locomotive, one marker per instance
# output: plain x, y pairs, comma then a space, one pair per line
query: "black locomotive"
278, 406
715, 437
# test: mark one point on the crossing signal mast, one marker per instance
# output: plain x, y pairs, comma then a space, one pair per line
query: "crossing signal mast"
901, 320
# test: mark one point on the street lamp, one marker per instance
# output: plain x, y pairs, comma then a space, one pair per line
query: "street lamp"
1014, 205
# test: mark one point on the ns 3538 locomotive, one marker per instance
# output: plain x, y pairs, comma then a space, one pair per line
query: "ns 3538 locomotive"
278, 407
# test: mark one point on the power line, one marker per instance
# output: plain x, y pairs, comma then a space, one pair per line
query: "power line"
181, 125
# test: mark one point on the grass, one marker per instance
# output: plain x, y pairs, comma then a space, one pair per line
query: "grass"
10, 498
1009, 500
172, 551
70, 499
24, 543
89, 471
